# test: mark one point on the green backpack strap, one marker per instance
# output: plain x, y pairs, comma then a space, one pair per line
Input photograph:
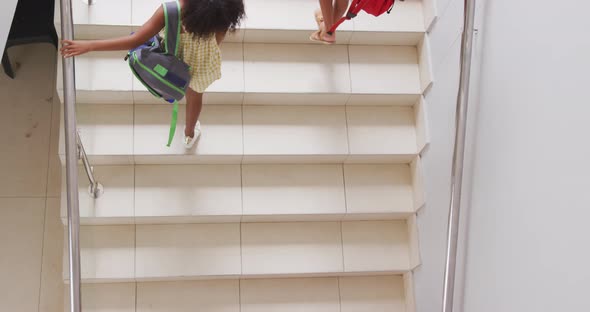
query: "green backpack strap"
173, 122
172, 17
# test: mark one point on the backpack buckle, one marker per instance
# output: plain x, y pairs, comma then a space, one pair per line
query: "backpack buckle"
350, 15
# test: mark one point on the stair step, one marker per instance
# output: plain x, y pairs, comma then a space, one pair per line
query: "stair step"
289, 21
124, 134
276, 74
303, 191
347, 294
125, 253
250, 193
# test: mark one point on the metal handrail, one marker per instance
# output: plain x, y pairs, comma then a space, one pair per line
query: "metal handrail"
95, 189
458, 155
67, 31
74, 151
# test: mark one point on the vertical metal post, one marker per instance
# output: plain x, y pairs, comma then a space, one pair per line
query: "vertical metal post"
71, 145
458, 155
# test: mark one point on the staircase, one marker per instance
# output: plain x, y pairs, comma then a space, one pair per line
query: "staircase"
300, 196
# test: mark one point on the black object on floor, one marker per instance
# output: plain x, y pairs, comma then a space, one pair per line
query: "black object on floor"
32, 23
6, 65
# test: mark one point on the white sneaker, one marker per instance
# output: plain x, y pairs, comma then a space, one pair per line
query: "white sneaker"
190, 142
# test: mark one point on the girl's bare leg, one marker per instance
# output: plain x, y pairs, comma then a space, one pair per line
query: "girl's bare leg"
340, 7
194, 105
332, 11
327, 12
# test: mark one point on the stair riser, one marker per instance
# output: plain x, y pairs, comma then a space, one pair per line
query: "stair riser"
250, 193
273, 74
409, 20
249, 250
121, 134
395, 294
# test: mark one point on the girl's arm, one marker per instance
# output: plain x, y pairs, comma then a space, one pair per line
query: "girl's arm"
219, 37
149, 29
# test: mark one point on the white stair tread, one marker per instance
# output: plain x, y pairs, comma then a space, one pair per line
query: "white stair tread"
288, 104
289, 21
164, 251
120, 134
274, 74
207, 251
331, 294
248, 193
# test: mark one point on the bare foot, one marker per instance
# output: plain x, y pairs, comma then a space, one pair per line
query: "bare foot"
316, 36
329, 38
319, 18
320, 35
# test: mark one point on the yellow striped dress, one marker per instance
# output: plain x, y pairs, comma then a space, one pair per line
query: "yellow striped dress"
204, 57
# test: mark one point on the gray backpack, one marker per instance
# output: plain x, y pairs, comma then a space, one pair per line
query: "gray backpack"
158, 67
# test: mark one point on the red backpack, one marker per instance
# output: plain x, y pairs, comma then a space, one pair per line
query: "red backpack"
377, 7
373, 7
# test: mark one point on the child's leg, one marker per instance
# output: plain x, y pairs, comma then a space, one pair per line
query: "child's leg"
332, 11
340, 7
327, 12
194, 105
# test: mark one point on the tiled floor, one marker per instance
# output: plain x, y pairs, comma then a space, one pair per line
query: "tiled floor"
31, 234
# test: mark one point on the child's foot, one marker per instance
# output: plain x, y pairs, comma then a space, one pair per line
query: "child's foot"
191, 139
327, 38
316, 36
320, 35
319, 18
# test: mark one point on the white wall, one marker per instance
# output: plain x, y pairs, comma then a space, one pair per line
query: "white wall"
7, 8
529, 234
528, 173
432, 220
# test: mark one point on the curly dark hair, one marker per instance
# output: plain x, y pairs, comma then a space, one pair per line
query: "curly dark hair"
203, 18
